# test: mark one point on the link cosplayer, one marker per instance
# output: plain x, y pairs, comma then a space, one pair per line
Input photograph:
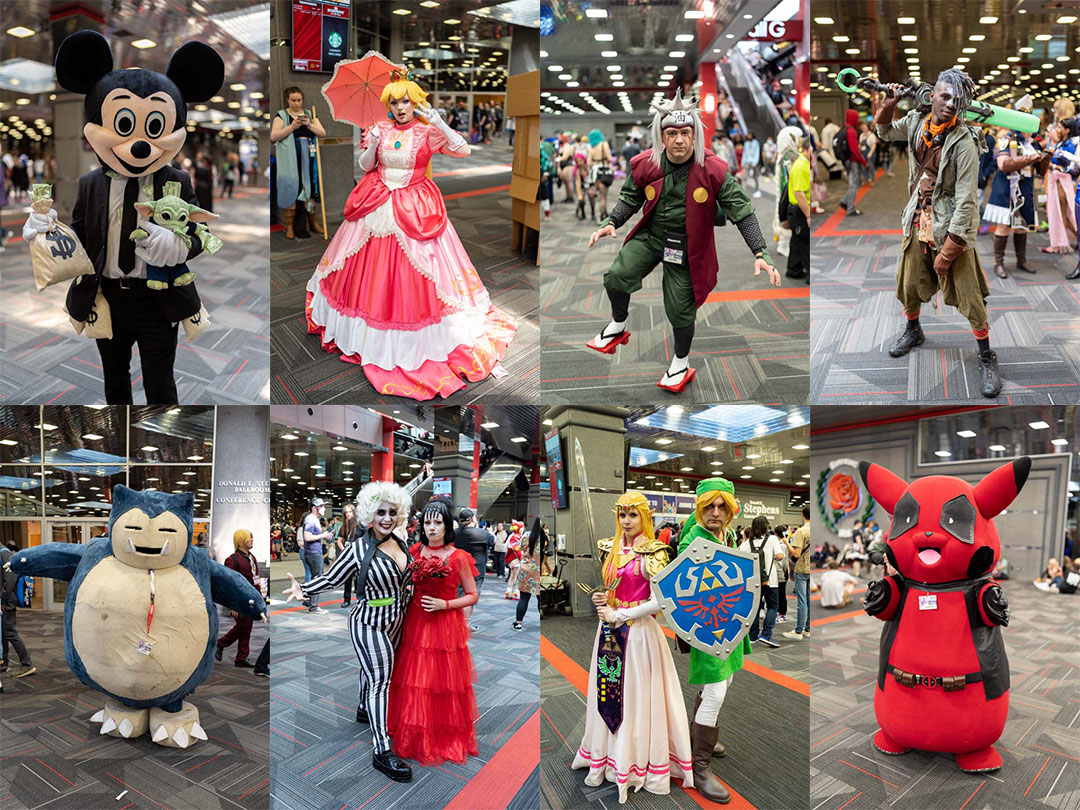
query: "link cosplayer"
941, 217
685, 190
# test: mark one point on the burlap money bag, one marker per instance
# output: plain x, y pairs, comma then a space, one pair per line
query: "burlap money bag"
197, 323
98, 323
57, 255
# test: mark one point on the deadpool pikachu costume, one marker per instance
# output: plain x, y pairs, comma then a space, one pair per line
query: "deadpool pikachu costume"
943, 676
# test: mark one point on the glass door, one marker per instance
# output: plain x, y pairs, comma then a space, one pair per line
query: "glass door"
68, 531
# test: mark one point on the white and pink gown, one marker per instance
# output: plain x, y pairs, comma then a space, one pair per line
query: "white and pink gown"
395, 291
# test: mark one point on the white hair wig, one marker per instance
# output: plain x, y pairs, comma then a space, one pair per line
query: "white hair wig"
787, 140
680, 111
376, 492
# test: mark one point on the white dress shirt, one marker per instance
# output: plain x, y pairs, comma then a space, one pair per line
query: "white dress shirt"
112, 245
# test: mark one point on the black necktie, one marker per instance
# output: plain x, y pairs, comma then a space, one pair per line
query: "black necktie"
127, 225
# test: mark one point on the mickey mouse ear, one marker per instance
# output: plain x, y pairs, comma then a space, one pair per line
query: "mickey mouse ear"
82, 59
197, 70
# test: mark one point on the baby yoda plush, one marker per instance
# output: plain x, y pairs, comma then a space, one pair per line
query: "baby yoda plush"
172, 212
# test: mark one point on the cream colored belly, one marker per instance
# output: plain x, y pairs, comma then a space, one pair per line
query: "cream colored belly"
109, 621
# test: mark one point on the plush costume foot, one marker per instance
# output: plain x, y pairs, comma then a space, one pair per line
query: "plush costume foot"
886, 745
176, 729
610, 338
118, 720
981, 761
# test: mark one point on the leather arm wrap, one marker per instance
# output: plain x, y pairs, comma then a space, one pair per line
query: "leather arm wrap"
993, 605
952, 250
751, 233
1008, 163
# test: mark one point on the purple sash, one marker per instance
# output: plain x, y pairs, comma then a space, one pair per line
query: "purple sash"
610, 665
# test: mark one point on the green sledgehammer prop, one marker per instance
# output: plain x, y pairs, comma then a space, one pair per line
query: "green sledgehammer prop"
849, 80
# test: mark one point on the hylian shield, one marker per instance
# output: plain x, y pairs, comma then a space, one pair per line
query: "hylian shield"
710, 594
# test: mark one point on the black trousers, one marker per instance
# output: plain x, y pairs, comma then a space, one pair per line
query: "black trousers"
12, 637
799, 249
137, 320
262, 663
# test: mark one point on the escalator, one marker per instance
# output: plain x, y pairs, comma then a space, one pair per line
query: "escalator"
753, 108
495, 477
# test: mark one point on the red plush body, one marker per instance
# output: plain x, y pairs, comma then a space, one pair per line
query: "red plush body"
943, 676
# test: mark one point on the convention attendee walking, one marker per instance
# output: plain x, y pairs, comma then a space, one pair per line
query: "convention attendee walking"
311, 536
473, 540
244, 563
9, 601
798, 547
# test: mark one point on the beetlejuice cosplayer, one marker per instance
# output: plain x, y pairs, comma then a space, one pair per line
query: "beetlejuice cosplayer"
683, 191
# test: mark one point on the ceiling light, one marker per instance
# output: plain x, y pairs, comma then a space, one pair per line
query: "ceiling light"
142, 44
942, 453
996, 448
1061, 20
677, 54
851, 51
289, 436
20, 31
1038, 425
909, 38
841, 38
596, 13
905, 20
663, 441
684, 37
451, 21
404, 12
519, 439
988, 20
609, 54
149, 448
824, 20
967, 434
604, 37
745, 476
748, 468
91, 437
300, 453
800, 447
1059, 442
1044, 37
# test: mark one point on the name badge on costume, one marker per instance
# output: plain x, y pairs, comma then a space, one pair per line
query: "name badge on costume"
144, 647
675, 248
928, 601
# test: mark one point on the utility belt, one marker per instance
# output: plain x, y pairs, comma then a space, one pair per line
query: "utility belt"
625, 603
950, 683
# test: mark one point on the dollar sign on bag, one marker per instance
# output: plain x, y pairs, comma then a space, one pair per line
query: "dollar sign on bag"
92, 317
63, 246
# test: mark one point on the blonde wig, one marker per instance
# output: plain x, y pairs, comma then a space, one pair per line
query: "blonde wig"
240, 536
637, 502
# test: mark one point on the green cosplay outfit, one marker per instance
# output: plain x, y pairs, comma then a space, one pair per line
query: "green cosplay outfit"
705, 668
645, 249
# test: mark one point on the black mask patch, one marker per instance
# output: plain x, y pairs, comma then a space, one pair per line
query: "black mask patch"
980, 563
905, 516
958, 519
891, 557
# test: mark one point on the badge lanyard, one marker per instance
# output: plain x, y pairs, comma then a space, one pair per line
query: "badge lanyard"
150, 612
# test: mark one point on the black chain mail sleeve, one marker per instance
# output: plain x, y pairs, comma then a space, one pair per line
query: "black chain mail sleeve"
620, 214
751, 233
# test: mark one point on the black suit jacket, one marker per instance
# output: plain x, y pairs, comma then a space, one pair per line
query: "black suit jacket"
90, 221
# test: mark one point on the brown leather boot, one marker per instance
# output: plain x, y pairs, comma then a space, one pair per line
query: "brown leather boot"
718, 749
1020, 245
1000, 243
313, 223
702, 740
287, 217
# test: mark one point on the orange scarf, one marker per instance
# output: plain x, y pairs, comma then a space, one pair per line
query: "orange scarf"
931, 130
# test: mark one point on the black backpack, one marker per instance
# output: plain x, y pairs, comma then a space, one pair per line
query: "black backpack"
840, 145
761, 559
783, 205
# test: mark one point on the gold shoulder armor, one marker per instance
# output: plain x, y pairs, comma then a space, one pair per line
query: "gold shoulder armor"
605, 545
656, 554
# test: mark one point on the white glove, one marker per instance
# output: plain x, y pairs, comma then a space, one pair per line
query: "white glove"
37, 223
638, 611
161, 247
453, 138
367, 157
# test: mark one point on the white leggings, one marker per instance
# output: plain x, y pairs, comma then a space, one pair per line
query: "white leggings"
712, 698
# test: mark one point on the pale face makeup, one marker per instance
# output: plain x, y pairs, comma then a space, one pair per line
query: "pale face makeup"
385, 520
434, 529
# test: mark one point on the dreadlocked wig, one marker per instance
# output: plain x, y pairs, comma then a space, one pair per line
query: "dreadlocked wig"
965, 87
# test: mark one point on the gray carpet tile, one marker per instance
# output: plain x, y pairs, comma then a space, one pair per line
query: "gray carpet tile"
54, 757
228, 364
321, 757
753, 350
763, 724
855, 317
1038, 746
302, 372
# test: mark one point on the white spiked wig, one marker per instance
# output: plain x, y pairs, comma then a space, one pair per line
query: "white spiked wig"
677, 112
376, 492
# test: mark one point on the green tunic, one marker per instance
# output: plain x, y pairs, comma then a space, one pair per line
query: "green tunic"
646, 249
705, 668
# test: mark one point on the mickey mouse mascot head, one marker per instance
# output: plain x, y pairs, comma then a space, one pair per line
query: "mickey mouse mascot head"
135, 124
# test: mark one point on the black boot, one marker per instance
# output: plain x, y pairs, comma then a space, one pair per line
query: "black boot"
392, 765
361, 714
1075, 274
300, 222
912, 337
1020, 246
217, 653
1000, 243
988, 374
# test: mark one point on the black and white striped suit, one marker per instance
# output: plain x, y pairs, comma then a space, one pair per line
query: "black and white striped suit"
375, 630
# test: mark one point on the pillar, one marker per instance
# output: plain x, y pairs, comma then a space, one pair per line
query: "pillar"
382, 463
241, 487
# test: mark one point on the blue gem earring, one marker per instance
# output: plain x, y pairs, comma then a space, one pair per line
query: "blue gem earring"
389, 115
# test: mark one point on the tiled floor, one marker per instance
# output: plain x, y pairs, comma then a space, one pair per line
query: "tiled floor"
1034, 319
322, 756
53, 756
750, 344
228, 364
303, 372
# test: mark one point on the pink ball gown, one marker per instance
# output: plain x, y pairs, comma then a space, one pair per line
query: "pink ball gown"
395, 291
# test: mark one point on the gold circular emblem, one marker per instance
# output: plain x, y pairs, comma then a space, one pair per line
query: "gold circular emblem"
650, 192
700, 195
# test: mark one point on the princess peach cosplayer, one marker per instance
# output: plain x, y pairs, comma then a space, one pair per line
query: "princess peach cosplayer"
395, 291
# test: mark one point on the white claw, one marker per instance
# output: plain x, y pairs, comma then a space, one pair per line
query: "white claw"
108, 725
180, 737
99, 717
160, 734
125, 728
164, 548
131, 545
197, 732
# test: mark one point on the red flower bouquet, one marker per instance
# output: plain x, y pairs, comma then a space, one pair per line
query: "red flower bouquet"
429, 568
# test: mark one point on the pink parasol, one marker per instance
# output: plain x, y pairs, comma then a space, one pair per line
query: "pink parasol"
354, 89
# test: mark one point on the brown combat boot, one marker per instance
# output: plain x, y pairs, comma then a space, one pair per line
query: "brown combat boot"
287, 217
702, 740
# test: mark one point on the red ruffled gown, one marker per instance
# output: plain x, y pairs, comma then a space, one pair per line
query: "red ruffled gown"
395, 290
432, 713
